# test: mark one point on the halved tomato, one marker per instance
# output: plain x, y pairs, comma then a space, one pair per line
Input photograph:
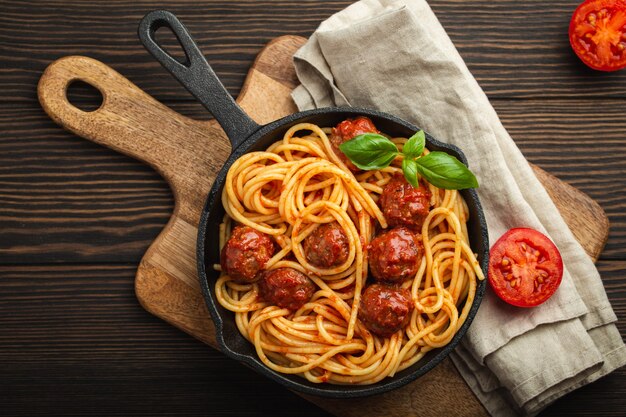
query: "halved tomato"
525, 267
597, 33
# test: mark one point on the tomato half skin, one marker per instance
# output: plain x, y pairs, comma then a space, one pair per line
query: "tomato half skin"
597, 34
525, 267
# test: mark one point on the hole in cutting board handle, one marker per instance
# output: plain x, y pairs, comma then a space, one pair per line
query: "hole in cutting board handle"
84, 96
169, 42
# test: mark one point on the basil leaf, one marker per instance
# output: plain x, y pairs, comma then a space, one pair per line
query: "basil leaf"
409, 168
445, 171
414, 147
370, 151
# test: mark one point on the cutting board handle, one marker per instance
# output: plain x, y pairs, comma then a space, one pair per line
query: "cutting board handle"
132, 122
196, 75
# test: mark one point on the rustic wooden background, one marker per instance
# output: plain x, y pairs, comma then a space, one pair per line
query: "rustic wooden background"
75, 218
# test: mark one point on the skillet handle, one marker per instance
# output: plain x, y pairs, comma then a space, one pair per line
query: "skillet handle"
196, 75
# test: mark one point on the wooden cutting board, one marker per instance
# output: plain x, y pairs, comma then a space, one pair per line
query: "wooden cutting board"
188, 154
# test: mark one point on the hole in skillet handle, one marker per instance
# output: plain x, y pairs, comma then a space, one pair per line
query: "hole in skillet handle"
196, 75
168, 41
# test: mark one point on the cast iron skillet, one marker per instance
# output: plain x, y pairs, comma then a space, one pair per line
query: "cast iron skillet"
245, 135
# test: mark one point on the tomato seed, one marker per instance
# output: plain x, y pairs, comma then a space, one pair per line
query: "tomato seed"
592, 19
513, 283
505, 262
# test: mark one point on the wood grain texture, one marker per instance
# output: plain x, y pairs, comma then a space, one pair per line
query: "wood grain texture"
93, 351
166, 281
514, 49
74, 341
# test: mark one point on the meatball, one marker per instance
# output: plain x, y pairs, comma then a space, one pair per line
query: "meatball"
384, 309
404, 205
345, 131
286, 288
394, 255
246, 253
327, 246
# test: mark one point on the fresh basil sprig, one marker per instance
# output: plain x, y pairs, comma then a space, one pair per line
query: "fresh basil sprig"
374, 151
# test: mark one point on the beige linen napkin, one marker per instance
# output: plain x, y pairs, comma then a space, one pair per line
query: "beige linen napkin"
394, 56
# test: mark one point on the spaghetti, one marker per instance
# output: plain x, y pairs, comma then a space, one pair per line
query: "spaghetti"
286, 192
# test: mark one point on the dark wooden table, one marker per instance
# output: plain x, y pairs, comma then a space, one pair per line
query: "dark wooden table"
76, 218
